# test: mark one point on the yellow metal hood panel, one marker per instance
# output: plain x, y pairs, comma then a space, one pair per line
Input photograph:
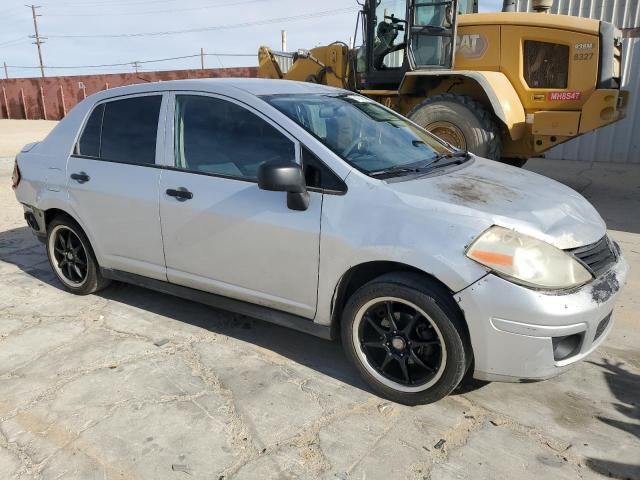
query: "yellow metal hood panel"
575, 24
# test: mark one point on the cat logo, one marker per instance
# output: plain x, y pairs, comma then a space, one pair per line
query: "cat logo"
471, 45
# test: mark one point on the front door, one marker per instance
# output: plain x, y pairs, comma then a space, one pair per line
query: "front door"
221, 232
112, 183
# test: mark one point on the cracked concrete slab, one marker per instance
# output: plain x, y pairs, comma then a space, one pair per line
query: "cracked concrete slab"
512, 455
134, 384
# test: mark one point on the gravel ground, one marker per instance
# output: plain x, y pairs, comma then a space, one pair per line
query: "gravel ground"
132, 384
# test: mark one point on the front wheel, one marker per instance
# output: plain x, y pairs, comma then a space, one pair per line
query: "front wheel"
405, 338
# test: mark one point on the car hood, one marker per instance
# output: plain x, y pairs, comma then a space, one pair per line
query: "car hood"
490, 193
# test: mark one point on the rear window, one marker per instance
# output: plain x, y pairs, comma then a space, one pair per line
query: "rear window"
123, 131
546, 65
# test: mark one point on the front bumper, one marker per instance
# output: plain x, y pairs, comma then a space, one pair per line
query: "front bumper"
553, 127
512, 327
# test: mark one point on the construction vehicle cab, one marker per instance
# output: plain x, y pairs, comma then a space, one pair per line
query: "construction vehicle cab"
405, 35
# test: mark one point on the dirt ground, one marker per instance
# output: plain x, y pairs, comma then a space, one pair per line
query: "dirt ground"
132, 384
14, 134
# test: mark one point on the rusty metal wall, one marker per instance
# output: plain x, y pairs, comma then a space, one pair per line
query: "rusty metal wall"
619, 142
51, 98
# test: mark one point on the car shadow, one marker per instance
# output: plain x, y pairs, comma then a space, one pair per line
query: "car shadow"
625, 387
20, 248
323, 356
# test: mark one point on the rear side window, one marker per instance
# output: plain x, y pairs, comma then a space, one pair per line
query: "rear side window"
123, 131
129, 130
218, 137
546, 65
89, 144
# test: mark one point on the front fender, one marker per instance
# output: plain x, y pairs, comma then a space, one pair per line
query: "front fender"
496, 88
374, 225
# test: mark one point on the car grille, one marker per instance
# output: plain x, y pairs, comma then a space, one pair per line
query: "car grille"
602, 326
598, 257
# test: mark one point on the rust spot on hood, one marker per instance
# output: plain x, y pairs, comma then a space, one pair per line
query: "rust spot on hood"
467, 192
471, 189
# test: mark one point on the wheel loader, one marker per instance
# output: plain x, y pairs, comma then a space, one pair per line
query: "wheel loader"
505, 86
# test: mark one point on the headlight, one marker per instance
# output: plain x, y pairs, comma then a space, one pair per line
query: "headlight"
527, 260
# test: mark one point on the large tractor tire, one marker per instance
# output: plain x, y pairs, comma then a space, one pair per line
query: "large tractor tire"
460, 121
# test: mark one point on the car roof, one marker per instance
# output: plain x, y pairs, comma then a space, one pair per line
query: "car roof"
253, 86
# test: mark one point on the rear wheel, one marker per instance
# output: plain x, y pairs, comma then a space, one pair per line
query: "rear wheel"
72, 258
405, 338
460, 121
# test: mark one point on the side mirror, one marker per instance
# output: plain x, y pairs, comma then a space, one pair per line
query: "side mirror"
285, 177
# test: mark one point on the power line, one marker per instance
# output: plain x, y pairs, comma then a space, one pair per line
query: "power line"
8, 10
108, 3
15, 40
306, 16
151, 12
139, 62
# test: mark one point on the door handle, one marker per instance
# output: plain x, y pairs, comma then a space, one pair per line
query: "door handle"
181, 194
81, 177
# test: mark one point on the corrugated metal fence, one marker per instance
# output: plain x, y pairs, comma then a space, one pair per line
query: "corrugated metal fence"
619, 142
51, 98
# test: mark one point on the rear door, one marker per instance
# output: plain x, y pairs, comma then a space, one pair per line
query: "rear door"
221, 232
113, 181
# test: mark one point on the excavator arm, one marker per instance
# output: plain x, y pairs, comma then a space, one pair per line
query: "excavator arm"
326, 65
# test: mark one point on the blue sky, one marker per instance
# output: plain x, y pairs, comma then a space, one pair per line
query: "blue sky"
92, 17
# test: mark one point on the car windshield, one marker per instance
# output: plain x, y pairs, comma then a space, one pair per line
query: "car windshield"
361, 131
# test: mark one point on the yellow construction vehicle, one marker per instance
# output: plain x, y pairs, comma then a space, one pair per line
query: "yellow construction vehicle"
506, 86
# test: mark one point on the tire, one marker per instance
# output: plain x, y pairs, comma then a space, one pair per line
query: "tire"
75, 266
437, 338
452, 116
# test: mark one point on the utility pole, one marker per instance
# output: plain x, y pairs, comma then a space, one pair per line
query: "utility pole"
37, 36
135, 64
201, 58
6, 72
284, 40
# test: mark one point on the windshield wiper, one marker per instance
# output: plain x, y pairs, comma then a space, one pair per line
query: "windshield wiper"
414, 167
459, 155
418, 167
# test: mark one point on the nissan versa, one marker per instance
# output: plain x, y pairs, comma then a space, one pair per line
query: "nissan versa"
323, 211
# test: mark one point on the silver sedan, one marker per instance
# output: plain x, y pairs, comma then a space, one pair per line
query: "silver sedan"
320, 210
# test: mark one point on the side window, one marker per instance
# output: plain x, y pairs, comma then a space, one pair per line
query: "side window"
129, 130
221, 138
546, 65
89, 144
318, 175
